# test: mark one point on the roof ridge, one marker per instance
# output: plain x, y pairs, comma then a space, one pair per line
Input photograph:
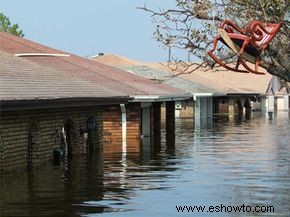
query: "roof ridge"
15, 38
19, 40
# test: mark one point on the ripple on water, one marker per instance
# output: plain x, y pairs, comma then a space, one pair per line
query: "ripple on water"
246, 162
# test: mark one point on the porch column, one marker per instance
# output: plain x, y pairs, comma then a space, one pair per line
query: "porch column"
216, 103
209, 106
271, 105
286, 102
248, 108
156, 125
146, 129
203, 111
263, 104
170, 123
231, 107
146, 107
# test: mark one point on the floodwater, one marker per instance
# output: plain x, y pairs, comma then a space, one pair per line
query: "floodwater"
234, 163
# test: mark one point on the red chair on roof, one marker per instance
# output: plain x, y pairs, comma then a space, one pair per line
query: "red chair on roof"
247, 43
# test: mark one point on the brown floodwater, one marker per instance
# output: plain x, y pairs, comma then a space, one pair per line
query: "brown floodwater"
232, 163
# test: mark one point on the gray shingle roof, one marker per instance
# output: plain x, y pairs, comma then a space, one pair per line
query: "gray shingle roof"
21, 79
102, 75
166, 78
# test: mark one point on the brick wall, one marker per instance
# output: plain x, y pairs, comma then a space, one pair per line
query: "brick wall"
112, 128
46, 136
133, 127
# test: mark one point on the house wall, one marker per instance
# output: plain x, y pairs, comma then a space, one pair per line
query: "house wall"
283, 102
227, 105
133, 127
187, 109
183, 109
279, 103
112, 128
42, 129
221, 105
259, 104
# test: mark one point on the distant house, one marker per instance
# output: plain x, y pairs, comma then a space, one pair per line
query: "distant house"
198, 106
231, 92
131, 112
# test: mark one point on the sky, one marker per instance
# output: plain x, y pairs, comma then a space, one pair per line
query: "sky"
89, 27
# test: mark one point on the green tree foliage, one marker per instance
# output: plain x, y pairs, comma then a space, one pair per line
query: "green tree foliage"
192, 24
6, 26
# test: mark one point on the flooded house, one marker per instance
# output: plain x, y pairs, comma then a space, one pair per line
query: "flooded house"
128, 111
278, 95
198, 106
44, 110
216, 91
242, 92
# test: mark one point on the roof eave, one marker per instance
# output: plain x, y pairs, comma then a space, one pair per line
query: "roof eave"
32, 104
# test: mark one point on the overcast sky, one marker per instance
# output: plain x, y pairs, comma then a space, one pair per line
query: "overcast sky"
89, 27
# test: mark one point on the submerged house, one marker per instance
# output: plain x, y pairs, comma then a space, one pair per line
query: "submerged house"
244, 92
278, 95
40, 106
128, 106
198, 106
231, 93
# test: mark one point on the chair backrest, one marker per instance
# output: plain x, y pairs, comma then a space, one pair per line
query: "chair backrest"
263, 33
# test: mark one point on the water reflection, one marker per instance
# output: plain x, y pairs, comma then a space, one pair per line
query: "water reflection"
234, 162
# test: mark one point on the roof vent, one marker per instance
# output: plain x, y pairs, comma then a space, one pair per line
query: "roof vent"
41, 54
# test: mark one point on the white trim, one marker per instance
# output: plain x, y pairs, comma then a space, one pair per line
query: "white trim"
157, 98
145, 97
195, 95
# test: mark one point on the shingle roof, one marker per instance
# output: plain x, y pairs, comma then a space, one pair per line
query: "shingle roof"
164, 77
21, 79
226, 81
221, 81
89, 70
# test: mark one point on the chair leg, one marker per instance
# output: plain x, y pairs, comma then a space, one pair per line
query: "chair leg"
257, 63
238, 64
244, 63
248, 68
215, 42
219, 61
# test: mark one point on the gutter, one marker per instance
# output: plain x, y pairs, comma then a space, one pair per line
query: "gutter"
124, 128
157, 98
195, 95
245, 94
33, 104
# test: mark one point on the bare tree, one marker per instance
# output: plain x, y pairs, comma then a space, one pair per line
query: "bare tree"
192, 24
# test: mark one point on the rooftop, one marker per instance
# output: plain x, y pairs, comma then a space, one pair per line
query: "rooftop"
166, 78
24, 80
113, 79
216, 81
